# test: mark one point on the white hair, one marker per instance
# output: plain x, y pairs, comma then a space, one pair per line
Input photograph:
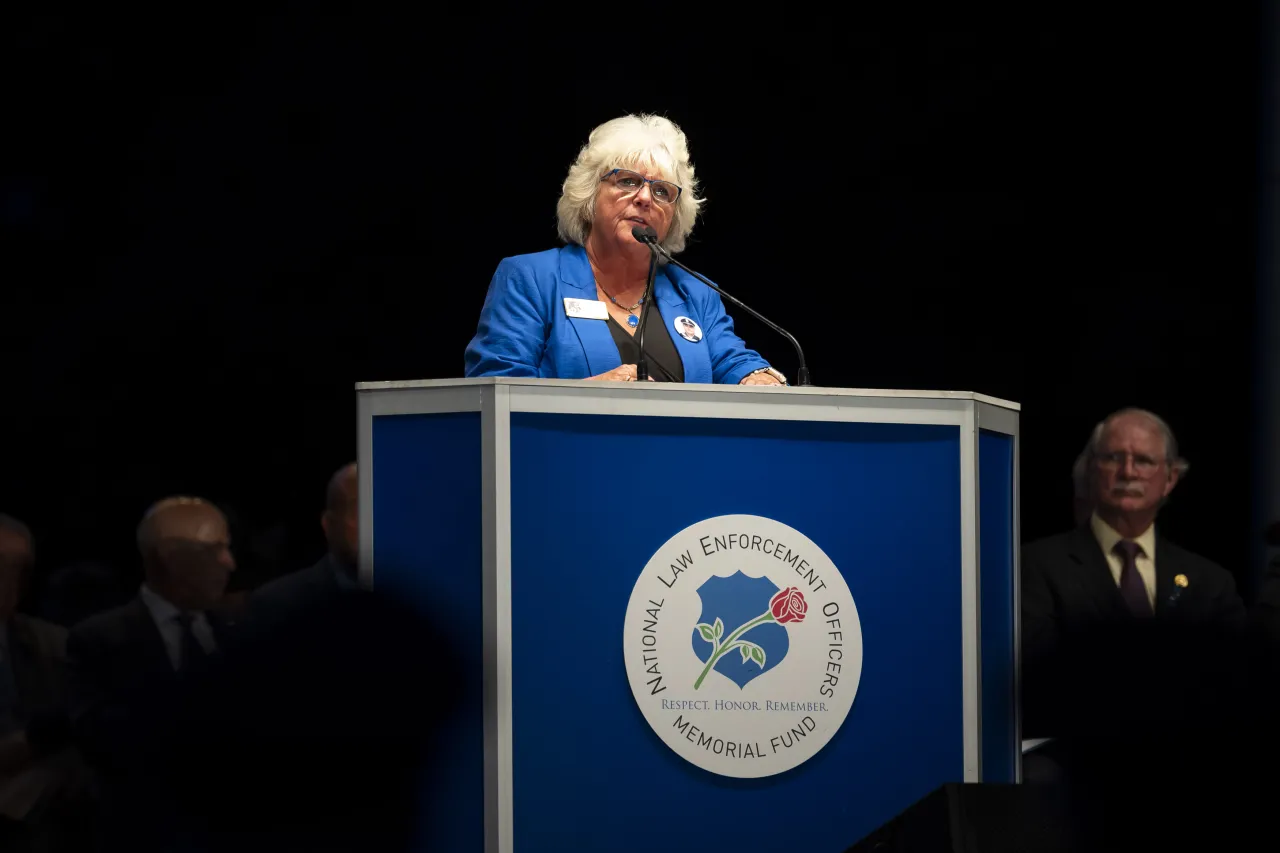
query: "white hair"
630, 142
1083, 466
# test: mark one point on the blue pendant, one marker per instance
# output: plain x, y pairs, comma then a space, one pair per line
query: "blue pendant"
633, 321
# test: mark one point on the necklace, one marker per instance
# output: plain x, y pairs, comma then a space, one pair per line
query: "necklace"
632, 319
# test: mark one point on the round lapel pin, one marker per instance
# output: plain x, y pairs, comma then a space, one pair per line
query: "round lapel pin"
688, 329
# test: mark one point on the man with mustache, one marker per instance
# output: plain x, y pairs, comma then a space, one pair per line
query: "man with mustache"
1132, 647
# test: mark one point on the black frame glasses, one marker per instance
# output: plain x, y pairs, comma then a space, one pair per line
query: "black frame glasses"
654, 184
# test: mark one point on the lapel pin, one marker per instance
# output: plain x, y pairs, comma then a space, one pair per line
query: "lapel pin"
688, 329
1180, 580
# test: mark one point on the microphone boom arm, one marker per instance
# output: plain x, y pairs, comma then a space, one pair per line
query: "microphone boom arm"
642, 363
802, 373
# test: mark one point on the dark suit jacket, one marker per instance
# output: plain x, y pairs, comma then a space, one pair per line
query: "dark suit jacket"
49, 789
39, 658
306, 589
122, 683
325, 724
127, 713
1088, 664
1266, 610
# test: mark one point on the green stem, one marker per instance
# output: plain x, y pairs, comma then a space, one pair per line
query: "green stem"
728, 643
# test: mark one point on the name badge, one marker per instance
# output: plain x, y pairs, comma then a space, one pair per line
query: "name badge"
587, 309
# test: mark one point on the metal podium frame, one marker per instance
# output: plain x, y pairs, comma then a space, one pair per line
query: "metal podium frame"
497, 398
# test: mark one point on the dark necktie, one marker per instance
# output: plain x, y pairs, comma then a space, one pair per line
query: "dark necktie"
192, 654
1132, 589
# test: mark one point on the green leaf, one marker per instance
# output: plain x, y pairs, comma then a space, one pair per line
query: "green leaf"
757, 655
708, 633
719, 628
746, 655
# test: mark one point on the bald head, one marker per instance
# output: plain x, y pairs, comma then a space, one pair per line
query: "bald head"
177, 516
341, 519
186, 551
343, 489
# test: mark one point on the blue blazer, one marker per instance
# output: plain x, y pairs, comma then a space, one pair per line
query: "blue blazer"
524, 330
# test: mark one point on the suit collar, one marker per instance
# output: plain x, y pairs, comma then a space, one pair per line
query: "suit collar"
1108, 536
668, 293
164, 611
160, 608
1167, 593
1084, 548
575, 270
332, 572
140, 626
1093, 574
597, 342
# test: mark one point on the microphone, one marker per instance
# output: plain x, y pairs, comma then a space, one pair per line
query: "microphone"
649, 236
642, 363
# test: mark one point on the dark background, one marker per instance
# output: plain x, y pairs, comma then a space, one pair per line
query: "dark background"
213, 226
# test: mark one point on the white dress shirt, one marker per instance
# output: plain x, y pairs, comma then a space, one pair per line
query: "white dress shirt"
1146, 561
168, 620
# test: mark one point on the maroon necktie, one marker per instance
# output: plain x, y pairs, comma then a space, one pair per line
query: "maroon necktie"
1132, 589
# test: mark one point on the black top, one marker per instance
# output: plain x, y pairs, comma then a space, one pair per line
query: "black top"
664, 362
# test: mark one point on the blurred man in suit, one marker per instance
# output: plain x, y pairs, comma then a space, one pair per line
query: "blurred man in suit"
127, 664
41, 777
335, 573
1131, 645
1113, 573
327, 712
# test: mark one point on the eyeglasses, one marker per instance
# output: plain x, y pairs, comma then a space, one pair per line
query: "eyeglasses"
629, 182
1142, 464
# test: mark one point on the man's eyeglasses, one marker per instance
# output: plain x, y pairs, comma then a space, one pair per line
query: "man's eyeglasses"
629, 182
1142, 463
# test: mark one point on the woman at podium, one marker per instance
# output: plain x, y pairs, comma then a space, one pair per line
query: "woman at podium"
574, 312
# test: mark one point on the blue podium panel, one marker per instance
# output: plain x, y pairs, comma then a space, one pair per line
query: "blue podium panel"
1001, 752
541, 511
882, 500
426, 495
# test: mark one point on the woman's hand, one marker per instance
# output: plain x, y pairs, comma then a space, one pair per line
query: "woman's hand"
759, 379
622, 373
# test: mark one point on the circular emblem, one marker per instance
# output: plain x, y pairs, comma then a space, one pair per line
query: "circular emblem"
742, 645
688, 329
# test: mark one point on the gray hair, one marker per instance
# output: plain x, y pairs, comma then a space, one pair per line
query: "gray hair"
1084, 462
632, 141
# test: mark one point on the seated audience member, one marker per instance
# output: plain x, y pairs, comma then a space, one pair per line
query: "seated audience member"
1134, 655
127, 663
1108, 577
335, 573
41, 779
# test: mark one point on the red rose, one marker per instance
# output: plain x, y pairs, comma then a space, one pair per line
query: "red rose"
788, 606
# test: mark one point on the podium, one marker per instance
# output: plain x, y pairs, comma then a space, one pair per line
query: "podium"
697, 617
